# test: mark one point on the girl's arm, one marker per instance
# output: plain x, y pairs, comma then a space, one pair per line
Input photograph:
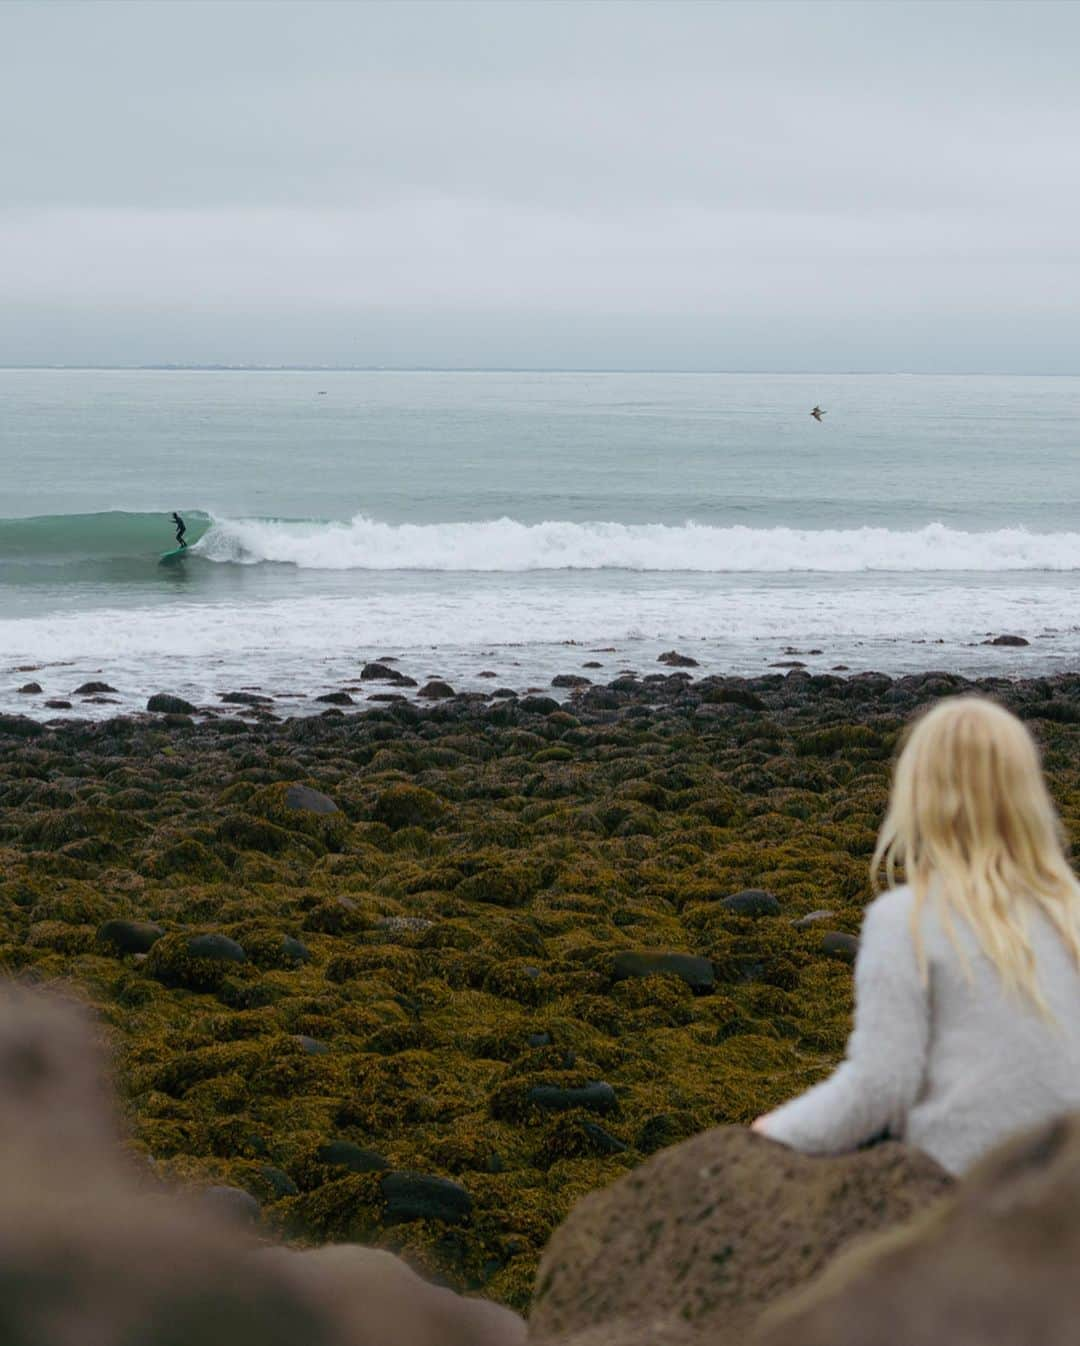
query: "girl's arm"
882, 1075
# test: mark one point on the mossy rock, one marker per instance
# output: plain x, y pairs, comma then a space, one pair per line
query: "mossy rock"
408, 806
188, 857
504, 886
196, 962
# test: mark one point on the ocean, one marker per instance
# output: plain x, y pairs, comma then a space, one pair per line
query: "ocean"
525, 524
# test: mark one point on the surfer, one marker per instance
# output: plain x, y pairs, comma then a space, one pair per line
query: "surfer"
817, 414
180, 529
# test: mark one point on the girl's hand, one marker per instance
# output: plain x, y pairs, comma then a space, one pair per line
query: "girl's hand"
761, 1124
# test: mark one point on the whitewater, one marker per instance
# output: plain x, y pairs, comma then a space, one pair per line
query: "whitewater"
524, 526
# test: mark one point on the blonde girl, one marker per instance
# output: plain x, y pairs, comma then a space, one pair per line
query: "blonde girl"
967, 982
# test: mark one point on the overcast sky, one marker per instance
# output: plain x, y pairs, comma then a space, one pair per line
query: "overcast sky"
559, 183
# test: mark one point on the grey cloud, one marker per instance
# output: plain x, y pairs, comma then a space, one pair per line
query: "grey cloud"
179, 164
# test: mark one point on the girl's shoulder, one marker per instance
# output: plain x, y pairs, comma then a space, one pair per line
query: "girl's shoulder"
890, 908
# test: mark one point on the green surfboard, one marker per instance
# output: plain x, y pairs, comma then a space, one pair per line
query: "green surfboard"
171, 557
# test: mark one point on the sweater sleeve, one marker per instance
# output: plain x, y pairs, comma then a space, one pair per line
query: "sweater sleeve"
882, 1075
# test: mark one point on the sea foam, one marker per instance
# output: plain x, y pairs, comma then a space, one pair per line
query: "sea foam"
510, 546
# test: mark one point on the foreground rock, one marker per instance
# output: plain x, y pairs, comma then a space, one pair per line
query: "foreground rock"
995, 1265
694, 1245
89, 1255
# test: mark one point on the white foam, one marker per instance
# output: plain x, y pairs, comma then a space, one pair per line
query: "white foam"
510, 546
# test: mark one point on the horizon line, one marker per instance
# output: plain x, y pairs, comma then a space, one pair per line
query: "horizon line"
212, 368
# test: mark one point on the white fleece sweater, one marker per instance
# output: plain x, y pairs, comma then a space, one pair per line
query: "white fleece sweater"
952, 1068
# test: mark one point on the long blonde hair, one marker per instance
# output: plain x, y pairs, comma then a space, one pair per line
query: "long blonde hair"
969, 810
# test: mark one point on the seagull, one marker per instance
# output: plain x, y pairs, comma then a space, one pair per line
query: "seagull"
817, 413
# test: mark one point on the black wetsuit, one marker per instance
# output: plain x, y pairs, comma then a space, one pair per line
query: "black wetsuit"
180, 530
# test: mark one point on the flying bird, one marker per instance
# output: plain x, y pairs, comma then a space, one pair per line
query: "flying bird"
817, 413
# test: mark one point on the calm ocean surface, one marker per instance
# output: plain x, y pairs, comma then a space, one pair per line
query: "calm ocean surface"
481, 521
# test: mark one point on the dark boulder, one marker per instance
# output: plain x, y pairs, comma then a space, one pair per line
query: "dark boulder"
418, 1196
839, 944
538, 705
129, 936
378, 673
310, 1046
674, 659
435, 690
597, 1097
293, 951
752, 902
336, 699
246, 699
696, 972
1013, 641
304, 798
167, 704
570, 680
30, 688
344, 1154
92, 689
20, 726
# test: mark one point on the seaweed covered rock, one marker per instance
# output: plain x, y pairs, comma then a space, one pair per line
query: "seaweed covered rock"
129, 936
408, 806
695, 1244
197, 962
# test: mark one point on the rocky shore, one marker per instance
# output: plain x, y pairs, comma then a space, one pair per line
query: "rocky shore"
423, 978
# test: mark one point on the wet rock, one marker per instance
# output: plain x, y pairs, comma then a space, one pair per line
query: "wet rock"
597, 1097
812, 918
696, 972
344, 1154
310, 1046
539, 705
1014, 641
129, 936
92, 689
246, 699
30, 688
570, 680
994, 1266
435, 690
167, 704
418, 1196
752, 902
21, 726
336, 699
294, 951
676, 660
307, 800
487, 673
694, 1244
839, 944
378, 673
58, 703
